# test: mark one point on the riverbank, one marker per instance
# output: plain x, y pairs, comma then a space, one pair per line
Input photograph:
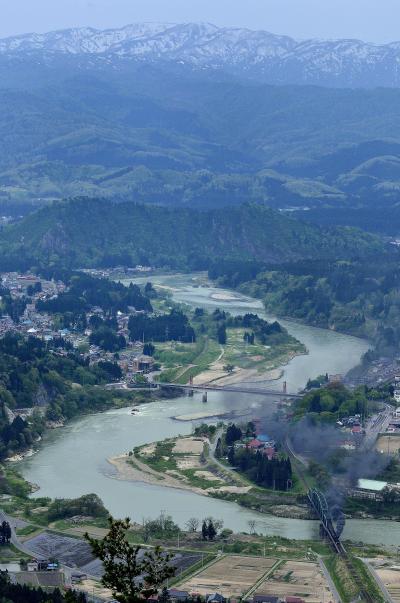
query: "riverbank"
235, 361
105, 435
186, 464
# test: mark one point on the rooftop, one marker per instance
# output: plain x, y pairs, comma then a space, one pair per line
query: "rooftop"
371, 484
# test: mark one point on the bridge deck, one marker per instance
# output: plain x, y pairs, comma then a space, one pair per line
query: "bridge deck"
239, 390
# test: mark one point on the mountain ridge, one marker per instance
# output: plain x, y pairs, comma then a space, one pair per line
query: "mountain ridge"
254, 54
88, 232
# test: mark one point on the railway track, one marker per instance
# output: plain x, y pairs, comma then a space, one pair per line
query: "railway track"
323, 513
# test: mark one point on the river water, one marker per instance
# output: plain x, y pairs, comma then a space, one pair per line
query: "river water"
73, 460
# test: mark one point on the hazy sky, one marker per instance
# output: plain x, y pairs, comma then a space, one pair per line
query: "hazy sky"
372, 20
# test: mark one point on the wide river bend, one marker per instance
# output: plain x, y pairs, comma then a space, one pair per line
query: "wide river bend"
73, 461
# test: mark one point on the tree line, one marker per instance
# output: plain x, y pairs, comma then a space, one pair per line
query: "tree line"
17, 593
275, 473
174, 326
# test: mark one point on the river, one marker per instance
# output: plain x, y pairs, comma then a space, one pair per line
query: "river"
73, 461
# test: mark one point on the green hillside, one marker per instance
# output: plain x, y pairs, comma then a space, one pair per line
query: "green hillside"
87, 232
151, 135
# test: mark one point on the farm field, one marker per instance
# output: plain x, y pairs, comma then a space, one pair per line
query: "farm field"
297, 578
388, 444
232, 576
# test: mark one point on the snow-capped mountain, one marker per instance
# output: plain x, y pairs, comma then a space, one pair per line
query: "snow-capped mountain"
256, 54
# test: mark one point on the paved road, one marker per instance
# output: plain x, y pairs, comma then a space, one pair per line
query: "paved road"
14, 538
376, 425
329, 580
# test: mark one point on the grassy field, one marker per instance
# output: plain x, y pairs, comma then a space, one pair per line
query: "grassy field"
257, 356
184, 359
344, 582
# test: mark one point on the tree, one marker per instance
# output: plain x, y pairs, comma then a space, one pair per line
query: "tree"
5, 533
128, 572
148, 349
219, 449
211, 531
204, 530
221, 334
233, 434
192, 524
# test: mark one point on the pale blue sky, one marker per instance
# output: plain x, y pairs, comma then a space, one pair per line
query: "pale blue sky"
372, 20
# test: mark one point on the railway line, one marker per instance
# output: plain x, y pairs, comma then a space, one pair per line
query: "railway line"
318, 503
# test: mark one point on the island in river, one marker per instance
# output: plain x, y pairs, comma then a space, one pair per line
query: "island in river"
97, 437
222, 348
190, 463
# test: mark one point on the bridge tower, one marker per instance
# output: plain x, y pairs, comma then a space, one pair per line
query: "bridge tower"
284, 387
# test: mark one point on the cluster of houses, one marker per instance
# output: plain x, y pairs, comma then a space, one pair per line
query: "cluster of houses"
31, 322
351, 425
42, 565
261, 443
41, 325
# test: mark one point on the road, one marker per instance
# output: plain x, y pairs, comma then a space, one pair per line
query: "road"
376, 425
14, 538
329, 580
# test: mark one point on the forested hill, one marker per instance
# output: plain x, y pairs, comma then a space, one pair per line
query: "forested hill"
87, 232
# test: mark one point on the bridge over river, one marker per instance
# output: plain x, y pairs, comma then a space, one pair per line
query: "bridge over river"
239, 389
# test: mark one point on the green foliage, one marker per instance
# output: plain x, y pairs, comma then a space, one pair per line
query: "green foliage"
85, 292
163, 527
358, 296
174, 326
129, 572
16, 593
32, 374
178, 238
331, 402
275, 473
164, 136
107, 339
87, 505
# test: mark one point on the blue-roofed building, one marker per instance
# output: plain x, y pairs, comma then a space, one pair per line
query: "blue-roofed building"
262, 437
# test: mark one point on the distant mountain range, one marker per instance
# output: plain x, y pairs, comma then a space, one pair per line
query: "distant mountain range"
192, 116
257, 55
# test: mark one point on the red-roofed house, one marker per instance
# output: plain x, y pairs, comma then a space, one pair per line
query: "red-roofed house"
254, 444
